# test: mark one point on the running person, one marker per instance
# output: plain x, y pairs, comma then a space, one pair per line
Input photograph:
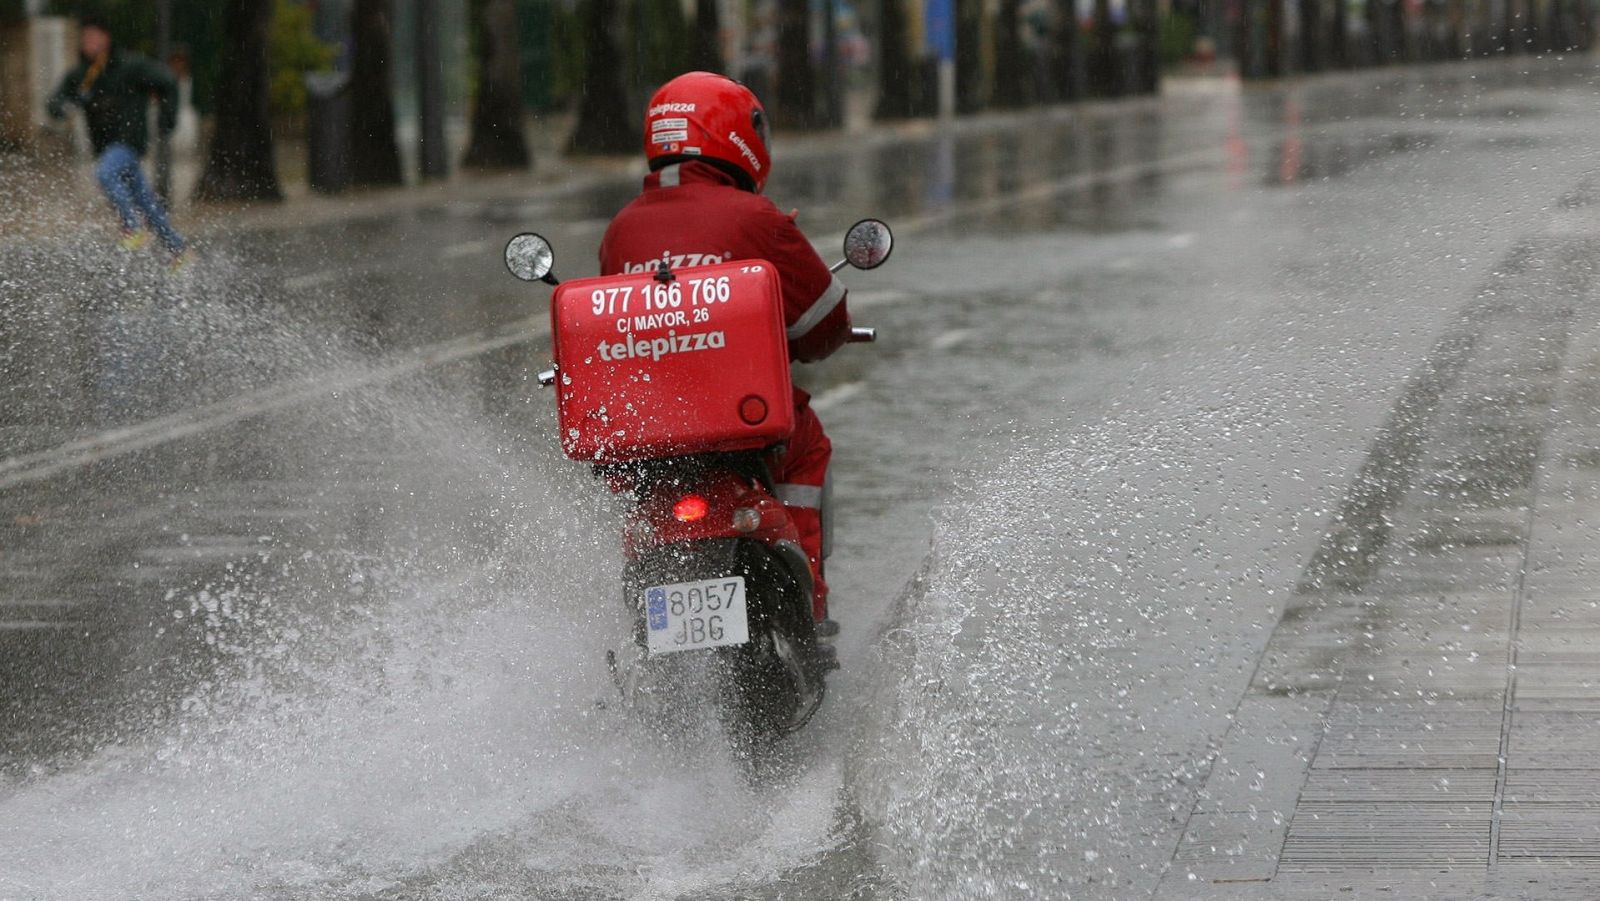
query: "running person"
113, 88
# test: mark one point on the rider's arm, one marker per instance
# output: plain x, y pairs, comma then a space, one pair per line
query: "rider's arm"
813, 300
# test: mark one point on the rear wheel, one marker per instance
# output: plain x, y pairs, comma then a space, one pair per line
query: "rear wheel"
766, 688
774, 688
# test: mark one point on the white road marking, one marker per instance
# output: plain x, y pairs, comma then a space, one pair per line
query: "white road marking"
464, 249
858, 298
33, 467
36, 602
312, 280
833, 397
951, 338
587, 226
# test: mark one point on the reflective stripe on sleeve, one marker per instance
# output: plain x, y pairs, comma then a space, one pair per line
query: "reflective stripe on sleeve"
819, 310
792, 495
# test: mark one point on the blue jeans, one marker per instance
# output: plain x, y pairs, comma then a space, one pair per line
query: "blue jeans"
123, 180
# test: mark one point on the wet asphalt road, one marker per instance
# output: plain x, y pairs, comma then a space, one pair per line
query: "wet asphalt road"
297, 598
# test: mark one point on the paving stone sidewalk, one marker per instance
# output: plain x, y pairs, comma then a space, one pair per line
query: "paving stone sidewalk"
1425, 721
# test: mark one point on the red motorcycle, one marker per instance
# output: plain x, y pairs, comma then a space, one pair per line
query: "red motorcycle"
675, 385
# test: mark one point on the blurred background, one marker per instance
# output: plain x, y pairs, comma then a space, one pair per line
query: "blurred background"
393, 91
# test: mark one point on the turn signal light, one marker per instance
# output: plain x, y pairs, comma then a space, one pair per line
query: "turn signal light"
746, 519
690, 508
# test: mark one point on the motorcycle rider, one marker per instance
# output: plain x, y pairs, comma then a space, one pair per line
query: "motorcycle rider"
706, 140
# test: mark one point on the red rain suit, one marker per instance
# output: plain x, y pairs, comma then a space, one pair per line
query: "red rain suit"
697, 211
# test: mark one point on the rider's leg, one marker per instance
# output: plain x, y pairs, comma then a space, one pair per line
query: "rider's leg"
802, 484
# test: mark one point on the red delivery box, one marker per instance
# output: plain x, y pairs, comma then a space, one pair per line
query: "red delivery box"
649, 367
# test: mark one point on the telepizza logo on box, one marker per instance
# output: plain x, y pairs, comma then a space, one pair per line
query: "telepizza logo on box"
655, 348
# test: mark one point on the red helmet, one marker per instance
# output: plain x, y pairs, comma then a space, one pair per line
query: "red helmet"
702, 115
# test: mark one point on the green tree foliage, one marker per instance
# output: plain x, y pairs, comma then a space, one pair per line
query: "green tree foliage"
295, 51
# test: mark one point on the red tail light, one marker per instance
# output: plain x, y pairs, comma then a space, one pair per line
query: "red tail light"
690, 508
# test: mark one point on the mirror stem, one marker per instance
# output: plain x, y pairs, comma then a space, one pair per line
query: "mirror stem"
839, 265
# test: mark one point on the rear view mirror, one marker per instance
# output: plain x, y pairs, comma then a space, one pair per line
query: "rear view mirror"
868, 243
531, 258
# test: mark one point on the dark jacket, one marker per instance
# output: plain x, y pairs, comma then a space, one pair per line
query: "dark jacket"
116, 102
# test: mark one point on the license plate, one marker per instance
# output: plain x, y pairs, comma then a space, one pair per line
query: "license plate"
689, 615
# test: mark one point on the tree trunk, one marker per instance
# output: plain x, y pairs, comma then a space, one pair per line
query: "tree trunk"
1276, 67
1103, 75
1069, 61
1313, 36
705, 49
897, 77
605, 124
240, 164
1150, 47
969, 55
797, 95
497, 139
374, 155
1013, 80
1339, 41
656, 44
832, 112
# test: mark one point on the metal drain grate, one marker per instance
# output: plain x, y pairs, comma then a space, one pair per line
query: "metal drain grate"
1399, 786
1400, 834
1550, 831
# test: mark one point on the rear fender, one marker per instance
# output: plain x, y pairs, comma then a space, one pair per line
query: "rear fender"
653, 524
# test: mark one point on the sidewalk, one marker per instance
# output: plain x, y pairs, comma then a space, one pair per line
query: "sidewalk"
1425, 720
